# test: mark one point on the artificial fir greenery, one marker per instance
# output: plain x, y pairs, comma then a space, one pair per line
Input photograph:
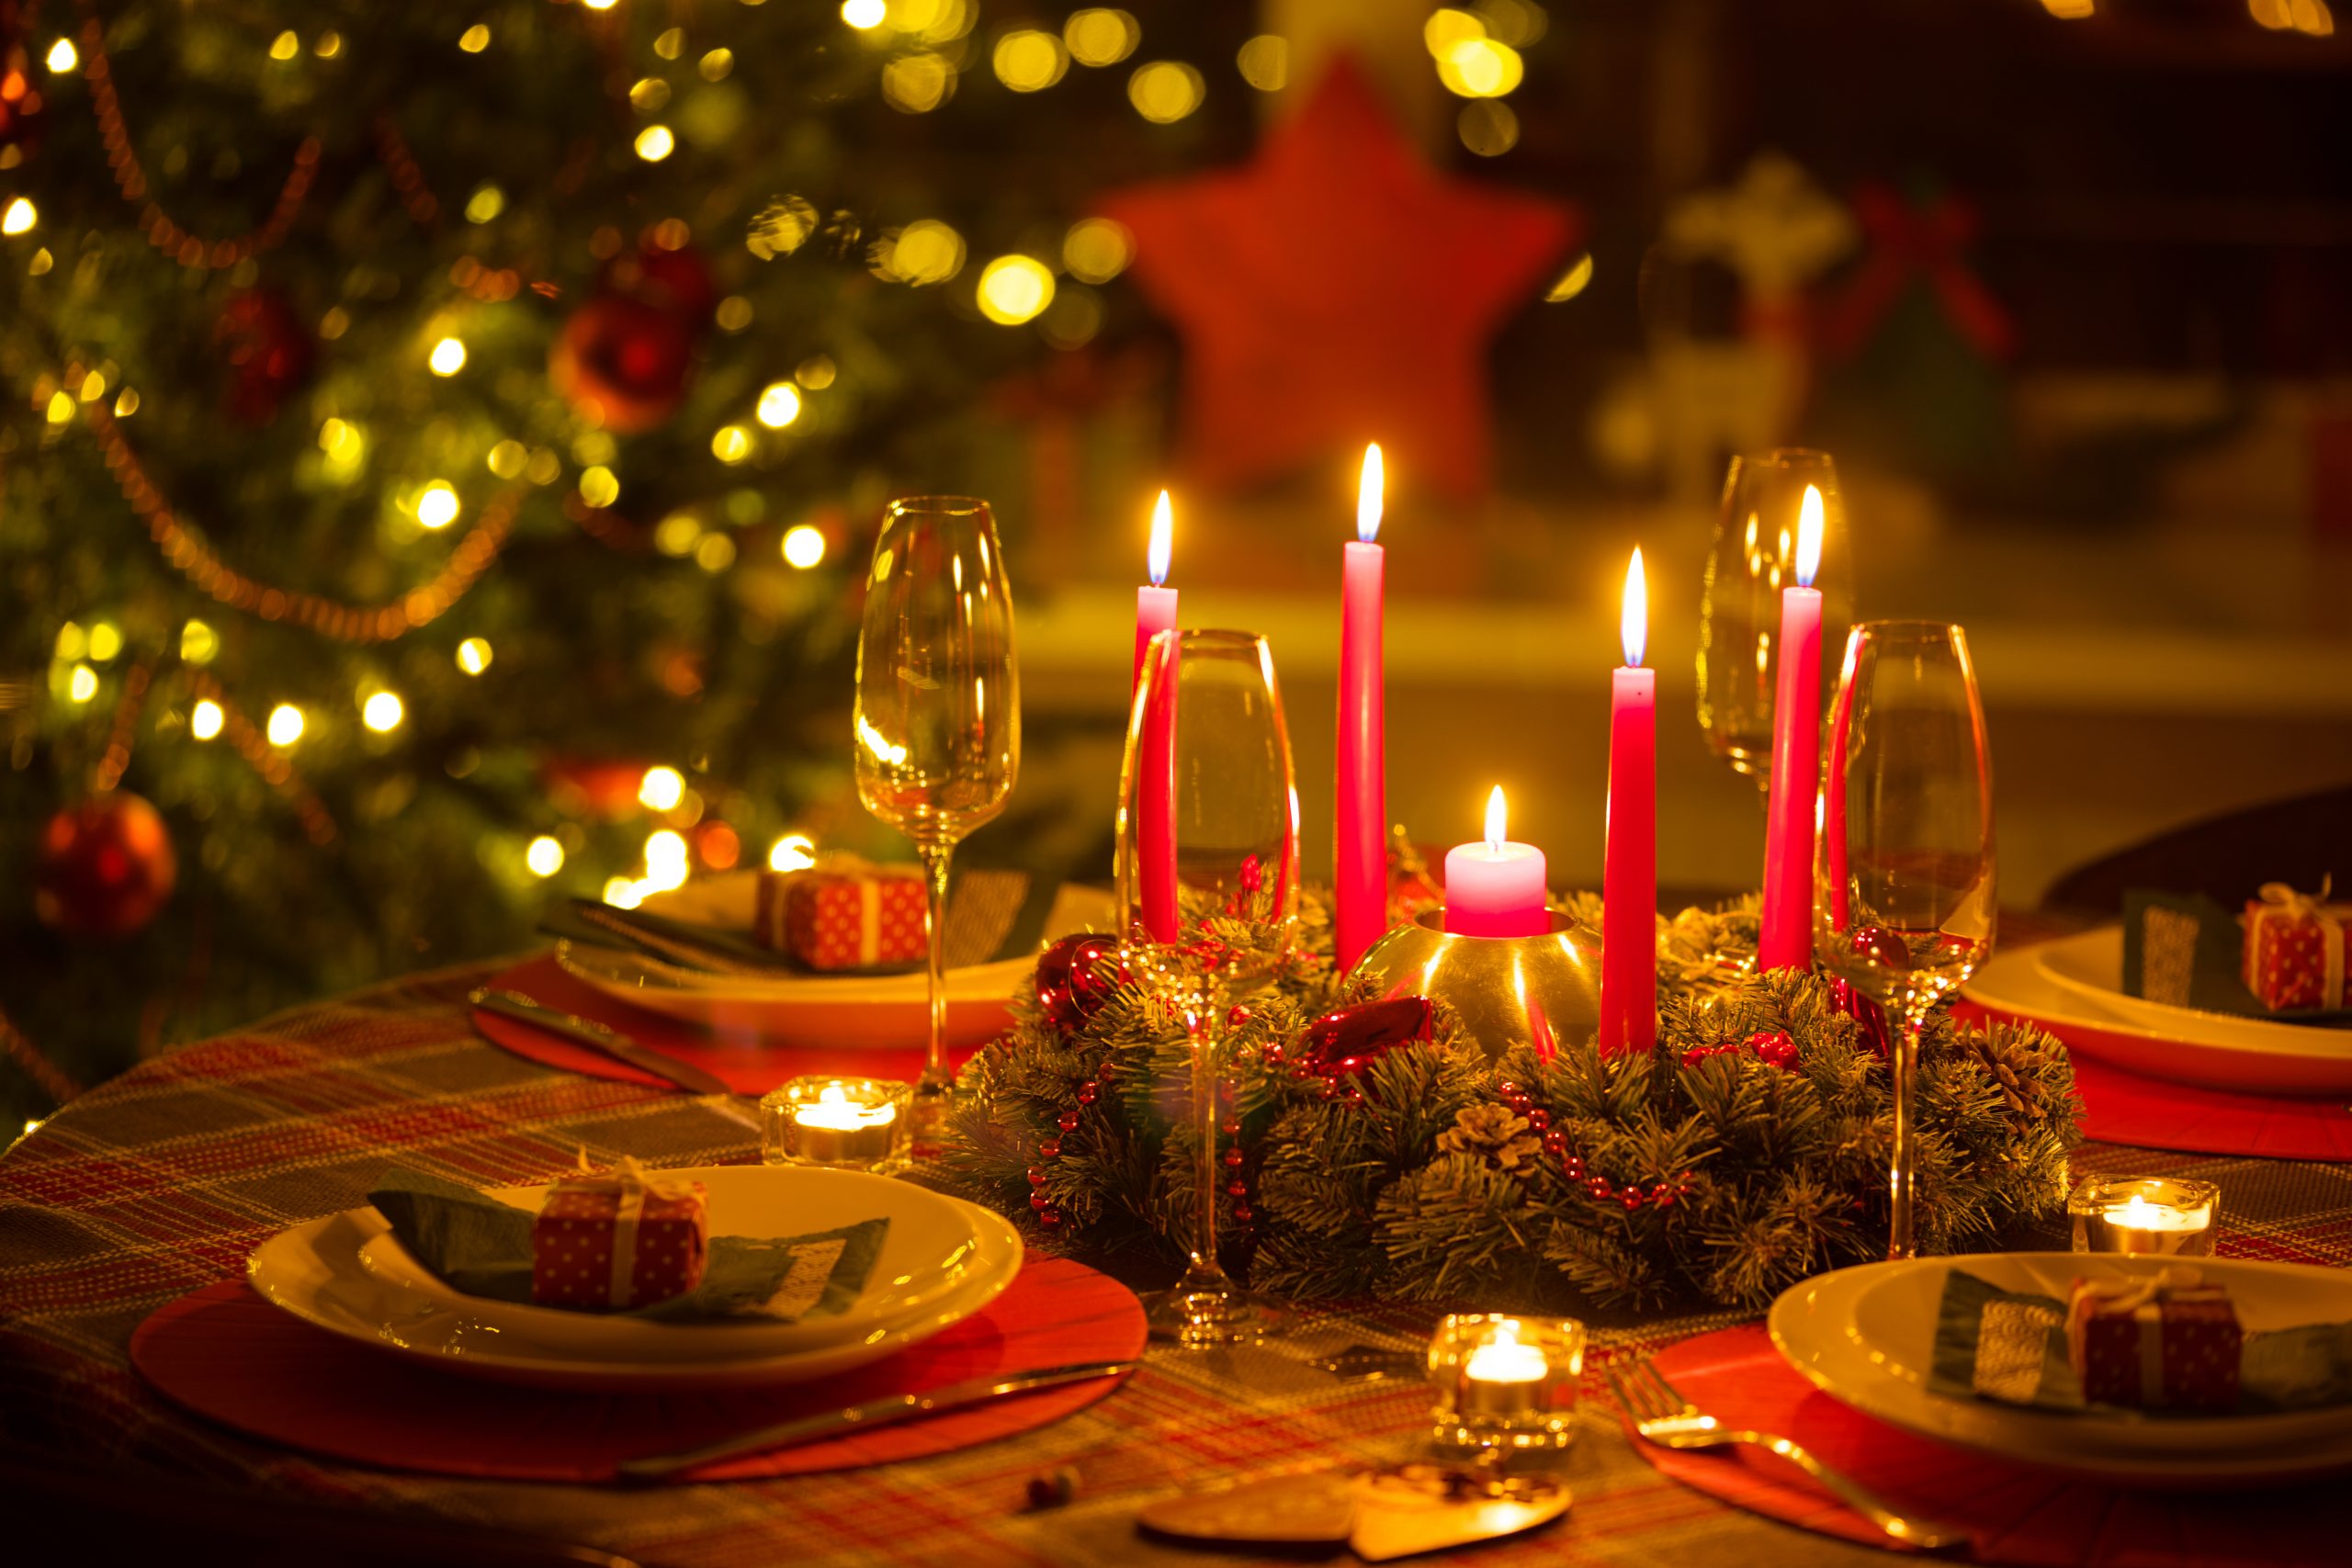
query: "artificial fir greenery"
1434, 1173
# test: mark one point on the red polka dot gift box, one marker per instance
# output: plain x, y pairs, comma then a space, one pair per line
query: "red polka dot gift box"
2295, 949
623, 1238
843, 913
2169, 1340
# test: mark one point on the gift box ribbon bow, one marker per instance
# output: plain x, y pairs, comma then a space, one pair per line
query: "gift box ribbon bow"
2280, 900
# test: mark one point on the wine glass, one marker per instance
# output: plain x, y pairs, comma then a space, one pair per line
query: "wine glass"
1739, 607
1903, 867
1208, 894
938, 719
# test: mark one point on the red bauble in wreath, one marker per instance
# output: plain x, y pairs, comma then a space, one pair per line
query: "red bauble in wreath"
1075, 977
622, 363
104, 867
1346, 1042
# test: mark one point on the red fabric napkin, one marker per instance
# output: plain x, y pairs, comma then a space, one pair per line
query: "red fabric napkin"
2015, 1513
226, 1354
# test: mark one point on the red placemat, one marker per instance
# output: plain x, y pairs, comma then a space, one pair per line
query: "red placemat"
750, 1063
2015, 1514
228, 1355
2126, 1108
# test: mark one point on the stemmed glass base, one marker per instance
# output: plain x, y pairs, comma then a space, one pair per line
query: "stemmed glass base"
1206, 1308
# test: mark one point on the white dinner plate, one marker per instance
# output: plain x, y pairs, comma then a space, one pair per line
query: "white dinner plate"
2245, 1056
313, 1271
2091, 965
1866, 1338
932, 1250
824, 1009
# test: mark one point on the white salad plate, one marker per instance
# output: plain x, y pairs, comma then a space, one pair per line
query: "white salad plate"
1866, 1338
348, 1275
829, 1009
2071, 986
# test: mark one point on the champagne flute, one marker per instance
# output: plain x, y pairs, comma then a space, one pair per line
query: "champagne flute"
1739, 606
1903, 867
938, 719
1208, 825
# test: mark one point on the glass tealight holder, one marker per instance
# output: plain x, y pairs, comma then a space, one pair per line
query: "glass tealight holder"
2157, 1216
838, 1124
1505, 1381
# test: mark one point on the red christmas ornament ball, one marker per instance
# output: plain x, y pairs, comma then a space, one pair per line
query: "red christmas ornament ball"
676, 281
623, 362
104, 867
1349, 1039
1075, 977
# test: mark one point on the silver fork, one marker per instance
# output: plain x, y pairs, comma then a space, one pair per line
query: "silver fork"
1663, 1416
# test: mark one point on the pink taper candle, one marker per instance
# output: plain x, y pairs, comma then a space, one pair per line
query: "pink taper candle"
1785, 939
1629, 864
1360, 853
1155, 784
1496, 888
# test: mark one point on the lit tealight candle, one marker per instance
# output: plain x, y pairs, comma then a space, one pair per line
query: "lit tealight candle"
851, 1123
2156, 1216
1496, 888
1506, 1381
2138, 1225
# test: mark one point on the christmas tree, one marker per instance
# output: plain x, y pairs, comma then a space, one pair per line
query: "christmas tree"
441, 447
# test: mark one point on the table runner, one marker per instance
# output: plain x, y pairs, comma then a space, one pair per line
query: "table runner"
160, 1181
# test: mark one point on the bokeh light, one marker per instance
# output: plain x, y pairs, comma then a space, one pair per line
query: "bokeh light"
917, 84
436, 505
1097, 250
1028, 60
105, 641
715, 553
382, 712
198, 643
1101, 36
730, 443
804, 547
665, 859
1487, 127
793, 851
655, 143
598, 487
1572, 282
285, 725
1014, 288
864, 14
448, 356
1480, 68
19, 217
661, 789
675, 534
1165, 91
82, 683
779, 404
507, 459
622, 893
486, 203
61, 56
1264, 63
475, 38
545, 856
204, 719
474, 655
925, 252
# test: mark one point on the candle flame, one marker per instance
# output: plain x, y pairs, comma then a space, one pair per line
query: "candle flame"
1164, 539
1498, 822
2137, 1212
1634, 623
833, 1094
1809, 526
1368, 493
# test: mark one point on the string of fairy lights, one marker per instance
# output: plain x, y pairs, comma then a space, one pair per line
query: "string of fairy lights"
922, 48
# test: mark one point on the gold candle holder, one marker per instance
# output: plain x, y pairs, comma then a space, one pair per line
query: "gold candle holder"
1506, 990
2157, 1216
1506, 1381
837, 1123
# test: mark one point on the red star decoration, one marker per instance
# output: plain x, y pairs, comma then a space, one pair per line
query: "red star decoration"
1337, 290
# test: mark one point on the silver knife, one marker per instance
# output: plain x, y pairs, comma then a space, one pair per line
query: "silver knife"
857, 1417
614, 1043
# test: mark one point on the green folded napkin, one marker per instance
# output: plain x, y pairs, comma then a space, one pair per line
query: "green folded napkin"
2191, 952
482, 1247
2010, 1346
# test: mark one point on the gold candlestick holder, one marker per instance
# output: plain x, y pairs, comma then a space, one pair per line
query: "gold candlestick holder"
1541, 990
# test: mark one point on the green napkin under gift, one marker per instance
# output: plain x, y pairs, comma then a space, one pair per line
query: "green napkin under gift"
2010, 1346
482, 1247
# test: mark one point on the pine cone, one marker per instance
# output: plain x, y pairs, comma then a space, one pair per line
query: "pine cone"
1496, 1134
2007, 1058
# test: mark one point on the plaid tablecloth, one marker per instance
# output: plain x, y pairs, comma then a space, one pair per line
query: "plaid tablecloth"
162, 1181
